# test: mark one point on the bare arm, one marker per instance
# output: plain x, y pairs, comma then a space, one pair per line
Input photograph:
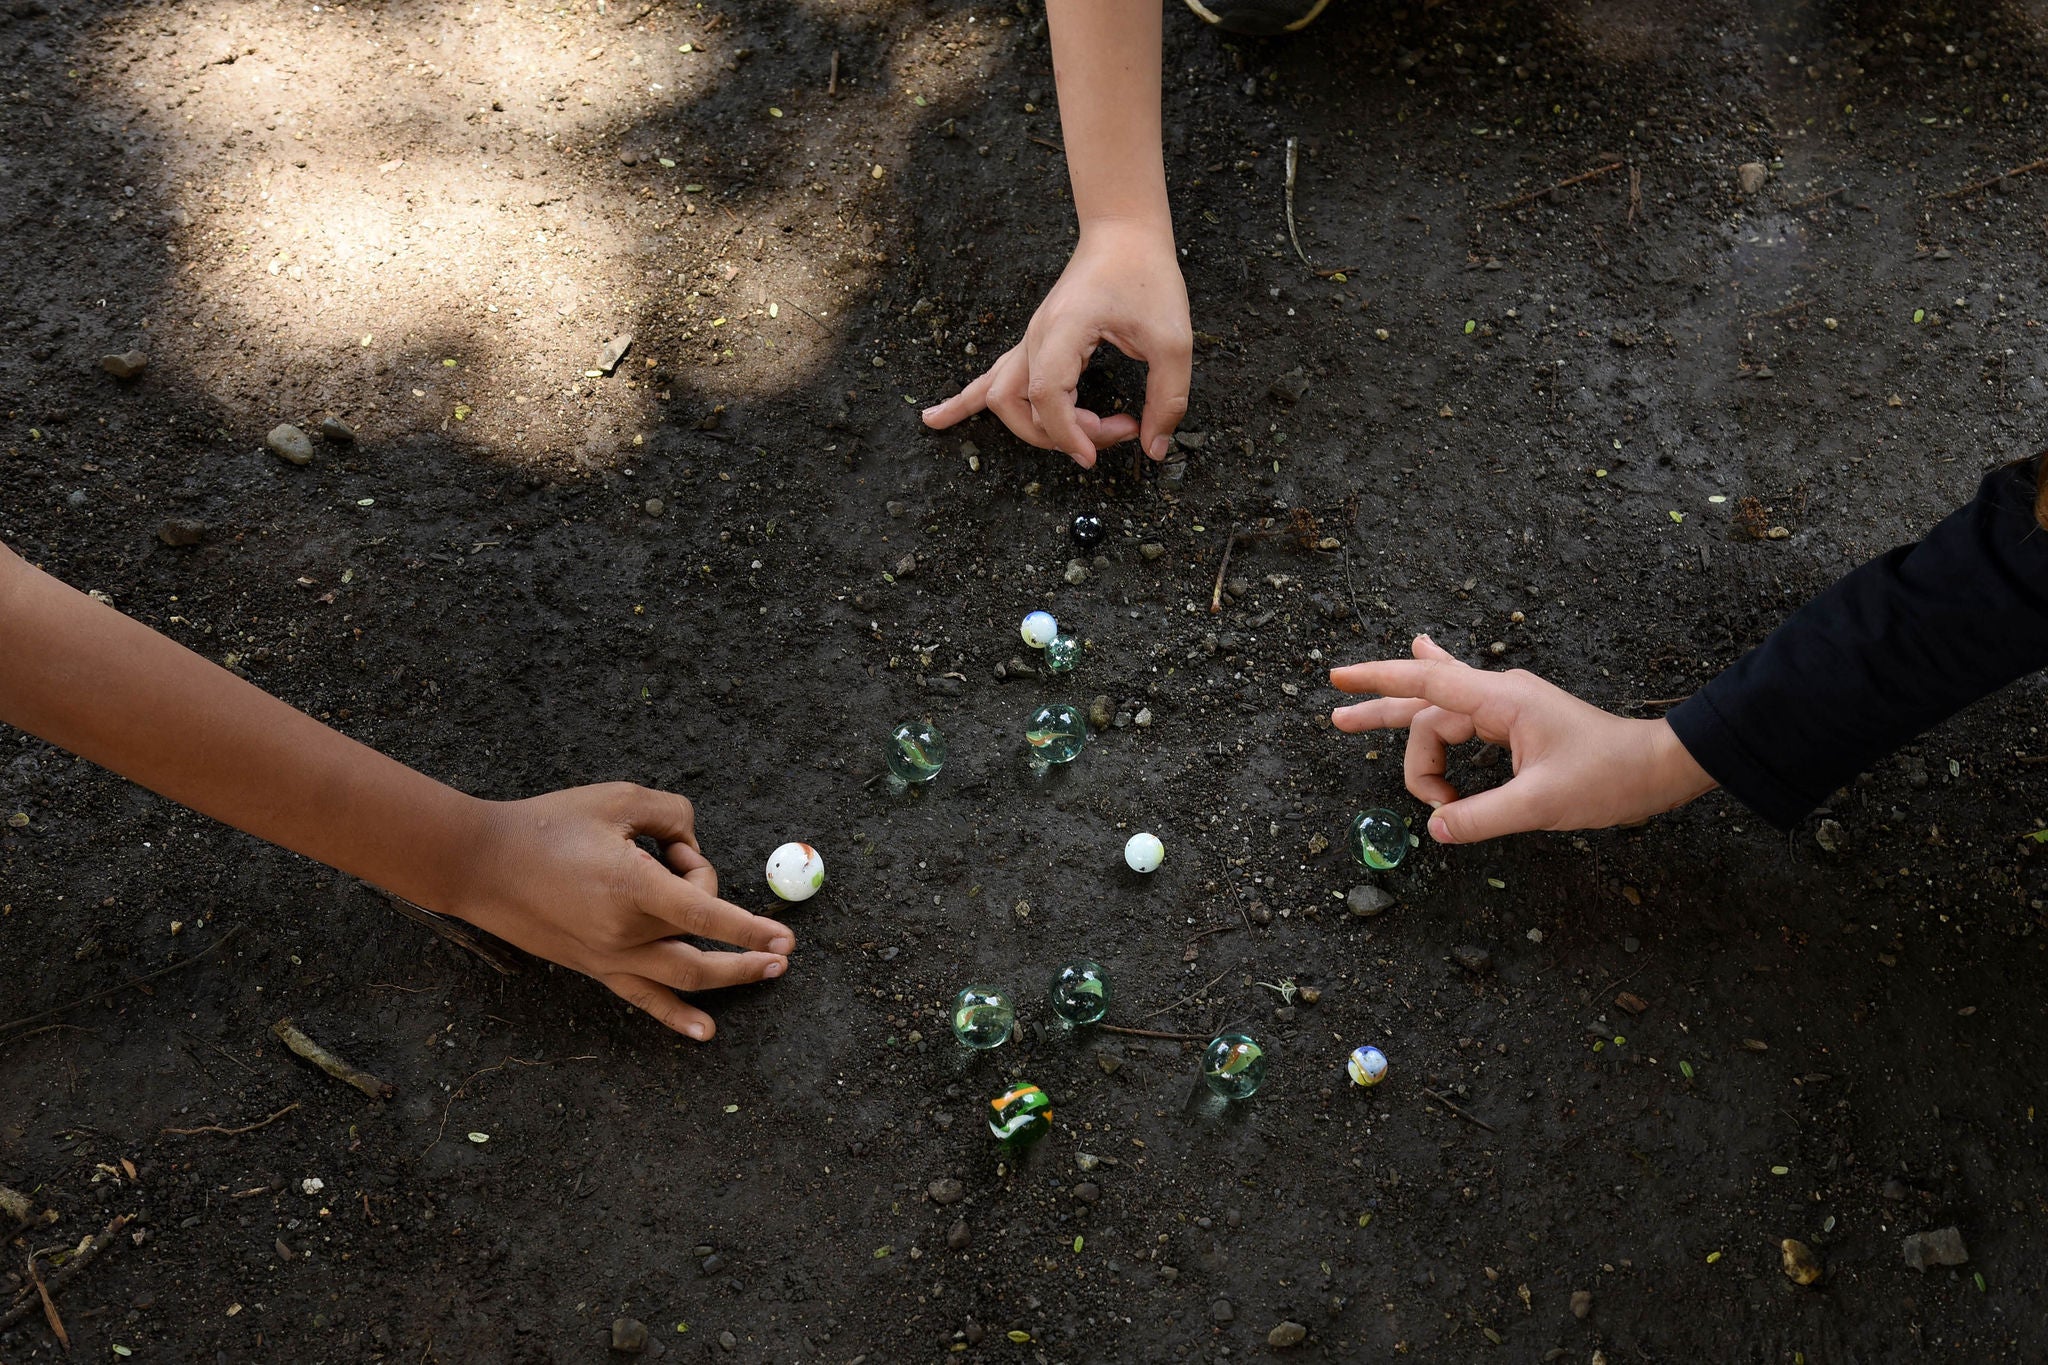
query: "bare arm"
1123, 284
559, 875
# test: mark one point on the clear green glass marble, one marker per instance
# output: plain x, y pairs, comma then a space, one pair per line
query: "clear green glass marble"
1234, 1065
1020, 1116
916, 752
1379, 839
1079, 992
983, 1017
1055, 732
1062, 652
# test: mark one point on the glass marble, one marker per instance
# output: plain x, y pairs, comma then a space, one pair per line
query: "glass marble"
1039, 629
1020, 1116
1379, 839
916, 751
1368, 1066
1234, 1065
983, 1017
1062, 652
1087, 530
1079, 992
1144, 852
796, 871
1055, 732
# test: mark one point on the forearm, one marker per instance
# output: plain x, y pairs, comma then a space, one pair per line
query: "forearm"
85, 677
1105, 57
1903, 642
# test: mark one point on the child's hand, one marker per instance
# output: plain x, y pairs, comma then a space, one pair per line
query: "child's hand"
1122, 286
560, 876
1575, 766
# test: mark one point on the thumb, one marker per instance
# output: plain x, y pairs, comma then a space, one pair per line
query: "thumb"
1508, 809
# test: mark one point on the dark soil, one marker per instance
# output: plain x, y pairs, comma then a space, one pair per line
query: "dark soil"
1843, 1047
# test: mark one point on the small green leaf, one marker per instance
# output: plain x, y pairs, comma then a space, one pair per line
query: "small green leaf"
1496, 883
1470, 326
1781, 1170
669, 162
1018, 1336
1919, 315
918, 100
1077, 1244
881, 1252
773, 112
2039, 836
1713, 1256
1364, 1220
1979, 1277
1686, 1069
1676, 516
479, 1138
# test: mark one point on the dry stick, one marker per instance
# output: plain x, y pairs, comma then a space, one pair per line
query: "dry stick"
1216, 597
503, 962
235, 1132
146, 977
2029, 168
1043, 143
319, 1056
1459, 1112
71, 1271
1127, 1031
1820, 198
1185, 998
1635, 193
809, 314
832, 84
1290, 207
50, 1028
49, 1305
1352, 589
1533, 195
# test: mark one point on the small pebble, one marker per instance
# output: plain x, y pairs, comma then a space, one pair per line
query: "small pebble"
126, 365
1221, 1311
727, 1341
959, 1235
946, 1190
1943, 1246
1077, 572
629, 1335
654, 507
1286, 1334
1367, 901
711, 1265
335, 430
1143, 718
1099, 713
1088, 1192
180, 532
1151, 549
1109, 1062
1750, 176
1582, 1302
290, 444
1087, 1161
1472, 958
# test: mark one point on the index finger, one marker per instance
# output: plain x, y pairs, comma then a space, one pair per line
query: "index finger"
687, 908
1168, 373
1056, 365
1453, 686
962, 405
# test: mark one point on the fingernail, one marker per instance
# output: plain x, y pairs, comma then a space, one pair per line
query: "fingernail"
1439, 829
929, 411
773, 970
781, 945
1436, 805
696, 1031
1158, 447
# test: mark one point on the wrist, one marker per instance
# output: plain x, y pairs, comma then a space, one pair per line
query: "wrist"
1150, 225
455, 856
1676, 775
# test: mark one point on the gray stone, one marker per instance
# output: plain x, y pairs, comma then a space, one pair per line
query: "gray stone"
179, 532
1472, 958
1151, 549
906, 566
1943, 1246
1221, 1311
1143, 718
1290, 387
946, 1190
1077, 573
335, 430
614, 351
1088, 1192
727, 1341
1100, 713
654, 507
126, 365
1829, 836
1368, 901
711, 1265
1286, 1334
959, 1236
1582, 1302
290, 444
629, 1335
1751, 175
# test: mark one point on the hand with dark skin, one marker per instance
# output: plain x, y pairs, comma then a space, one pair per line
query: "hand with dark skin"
1575, 766
558, 875
1123, 284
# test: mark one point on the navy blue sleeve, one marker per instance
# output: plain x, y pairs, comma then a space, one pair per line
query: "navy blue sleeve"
1900, 644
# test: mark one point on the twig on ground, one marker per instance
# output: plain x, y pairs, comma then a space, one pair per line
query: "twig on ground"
832, 81
50, 1314
1813, 199
50, 1028
235, 1132
1291, 153
1130, 1032
223, 941
1660, 701
71, 1270
1190, 996
2028, 169
1045, 143
1352, 589
1201, 934
1635, 193
1216, 597
1570, 180
1459, 1112
822, 325
455, 932
334, 1066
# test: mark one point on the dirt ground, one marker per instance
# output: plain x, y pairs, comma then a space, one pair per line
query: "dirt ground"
1561, 432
